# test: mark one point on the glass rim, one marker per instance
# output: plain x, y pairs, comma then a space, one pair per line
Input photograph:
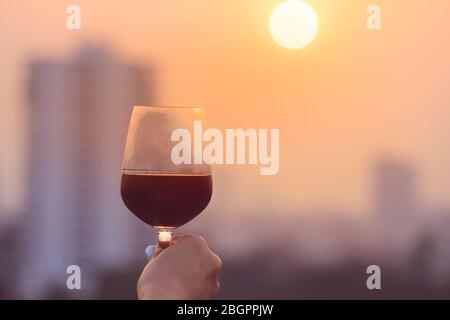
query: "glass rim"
166, 107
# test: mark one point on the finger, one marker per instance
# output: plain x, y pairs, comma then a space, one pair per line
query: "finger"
152, 251
163, 245
157, 252
176, 239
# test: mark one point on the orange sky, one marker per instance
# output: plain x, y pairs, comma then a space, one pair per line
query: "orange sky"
349, 97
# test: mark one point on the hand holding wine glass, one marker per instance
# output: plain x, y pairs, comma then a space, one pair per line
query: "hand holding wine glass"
187, 269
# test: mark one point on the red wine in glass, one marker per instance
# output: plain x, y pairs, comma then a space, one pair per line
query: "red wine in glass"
166, 201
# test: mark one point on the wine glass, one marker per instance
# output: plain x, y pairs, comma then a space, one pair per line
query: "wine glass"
161, 193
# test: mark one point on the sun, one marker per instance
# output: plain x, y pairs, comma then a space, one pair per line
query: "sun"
293, 24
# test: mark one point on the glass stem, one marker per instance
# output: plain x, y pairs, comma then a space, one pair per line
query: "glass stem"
164, 237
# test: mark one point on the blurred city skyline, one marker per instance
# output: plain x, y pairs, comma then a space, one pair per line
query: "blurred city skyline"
364, 121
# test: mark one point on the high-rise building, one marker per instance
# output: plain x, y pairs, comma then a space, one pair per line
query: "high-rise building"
78, 112
397, 208
395, 190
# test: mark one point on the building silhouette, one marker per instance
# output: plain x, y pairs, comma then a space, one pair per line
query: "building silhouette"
395, 190
78, 112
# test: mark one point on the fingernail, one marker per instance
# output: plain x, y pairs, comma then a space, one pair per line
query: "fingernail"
149, 251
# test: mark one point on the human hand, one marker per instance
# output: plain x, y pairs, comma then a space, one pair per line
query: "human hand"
187, 269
